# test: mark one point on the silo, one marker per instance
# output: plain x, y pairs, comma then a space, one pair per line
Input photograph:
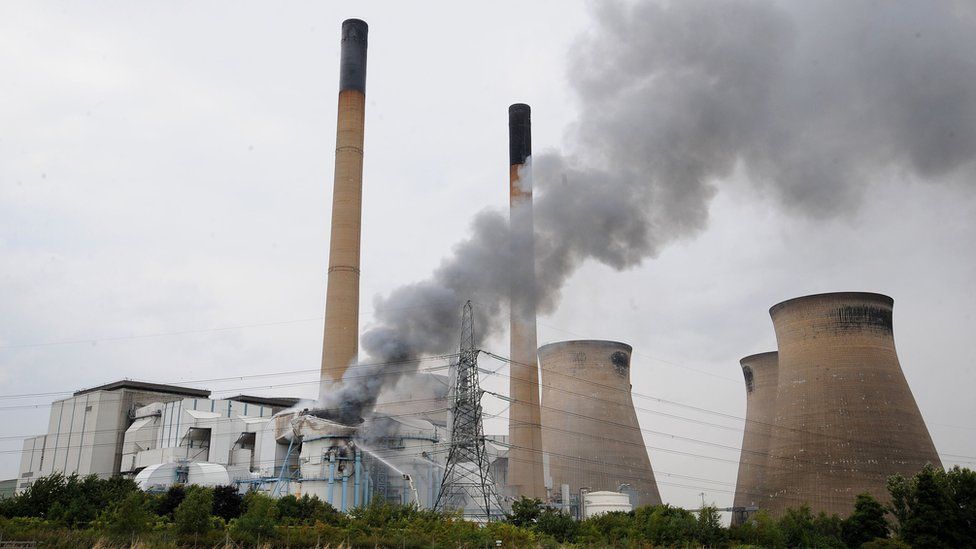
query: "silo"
590, 430
760, 372
845, 417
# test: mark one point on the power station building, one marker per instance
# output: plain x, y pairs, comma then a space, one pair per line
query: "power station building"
843, 418
122, 427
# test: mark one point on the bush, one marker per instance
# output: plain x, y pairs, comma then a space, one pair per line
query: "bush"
709, 530
866, 523
128, 517
557, 524
167, 502
192, 516
759, 530
258, 520
227, 502
306, 510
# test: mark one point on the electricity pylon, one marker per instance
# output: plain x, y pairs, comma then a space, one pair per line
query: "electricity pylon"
467, 483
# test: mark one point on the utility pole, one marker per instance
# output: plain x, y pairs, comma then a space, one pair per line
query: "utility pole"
467, 483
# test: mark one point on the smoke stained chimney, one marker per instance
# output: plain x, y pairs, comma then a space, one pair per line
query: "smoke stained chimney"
525, 474
340, 345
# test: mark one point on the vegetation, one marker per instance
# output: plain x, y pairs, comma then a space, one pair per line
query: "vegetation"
934, 508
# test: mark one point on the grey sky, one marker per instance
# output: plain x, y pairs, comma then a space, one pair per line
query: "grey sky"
168, 168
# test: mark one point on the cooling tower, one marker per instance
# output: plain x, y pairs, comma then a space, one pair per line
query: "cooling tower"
525, 433
845, 417
591, 433
760, 373
340, 345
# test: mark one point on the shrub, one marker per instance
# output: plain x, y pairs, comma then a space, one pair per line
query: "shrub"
192, 516
128, 517
258, 520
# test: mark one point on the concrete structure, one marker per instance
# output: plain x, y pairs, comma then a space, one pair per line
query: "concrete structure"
525, 472
8, 488
845, 417
761, 374
591, 435
340, 346
100, 430
161, 435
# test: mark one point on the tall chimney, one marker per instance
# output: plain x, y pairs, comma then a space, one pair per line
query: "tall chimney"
340, 344
525, 475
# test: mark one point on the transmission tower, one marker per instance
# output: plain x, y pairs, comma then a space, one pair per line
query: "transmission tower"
467, 483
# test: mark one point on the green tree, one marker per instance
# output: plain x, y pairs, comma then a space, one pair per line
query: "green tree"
866, 523
258, 520
168, 501
305, 510
935, 507
227, 503
129, 516
557, 524
962, 490
801, 529
525, 512
760, 529
192, 516
665, 525
709, 530
38, 498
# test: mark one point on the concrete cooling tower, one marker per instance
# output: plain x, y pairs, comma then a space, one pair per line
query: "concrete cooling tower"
590, 429
761, 373
845, 418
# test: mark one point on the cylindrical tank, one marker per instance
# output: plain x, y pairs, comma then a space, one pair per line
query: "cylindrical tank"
598, 503
590, 428
340, 345
845, 417
525, 469
760, 372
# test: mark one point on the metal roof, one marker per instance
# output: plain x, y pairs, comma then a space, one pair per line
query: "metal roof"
149, 387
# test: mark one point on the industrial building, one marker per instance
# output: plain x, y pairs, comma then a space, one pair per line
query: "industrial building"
124, 426
162, 435
843, 418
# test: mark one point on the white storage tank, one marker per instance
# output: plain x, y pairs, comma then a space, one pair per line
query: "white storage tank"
597, 503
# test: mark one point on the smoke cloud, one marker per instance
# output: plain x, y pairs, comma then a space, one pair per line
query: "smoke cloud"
815, 102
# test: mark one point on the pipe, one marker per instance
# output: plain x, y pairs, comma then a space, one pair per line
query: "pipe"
366, 493
345, 484
340, 343
525, 473
359, 466
332, 471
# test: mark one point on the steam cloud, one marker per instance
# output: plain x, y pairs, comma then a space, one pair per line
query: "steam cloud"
813, 101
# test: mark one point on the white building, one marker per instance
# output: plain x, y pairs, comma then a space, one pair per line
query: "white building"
162, 435
125, 426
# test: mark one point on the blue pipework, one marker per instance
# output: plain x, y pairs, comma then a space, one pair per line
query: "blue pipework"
345, 483
332, 470
366, 488
359, 467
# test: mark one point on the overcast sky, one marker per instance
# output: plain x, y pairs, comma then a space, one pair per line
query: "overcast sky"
166, 173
